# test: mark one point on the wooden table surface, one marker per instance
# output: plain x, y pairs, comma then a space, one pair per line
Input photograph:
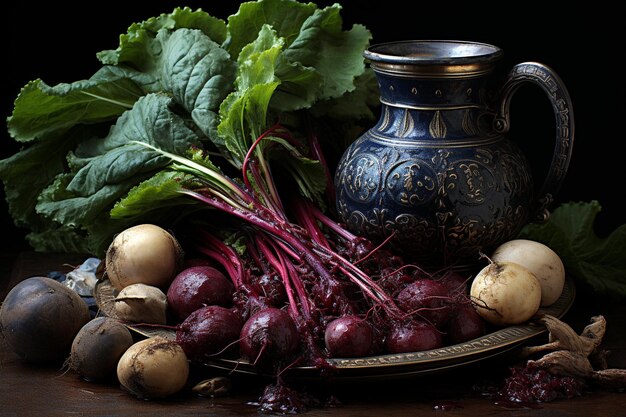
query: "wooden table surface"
51, 391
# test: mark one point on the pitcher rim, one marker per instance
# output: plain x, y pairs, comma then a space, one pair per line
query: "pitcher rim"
433, 51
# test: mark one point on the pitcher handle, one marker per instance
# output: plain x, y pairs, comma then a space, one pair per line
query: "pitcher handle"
551, 84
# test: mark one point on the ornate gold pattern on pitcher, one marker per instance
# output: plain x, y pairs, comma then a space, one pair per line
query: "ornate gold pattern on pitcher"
471, 181
468, 124
411, 183
385, 119
437, 127
407, 125
359, 180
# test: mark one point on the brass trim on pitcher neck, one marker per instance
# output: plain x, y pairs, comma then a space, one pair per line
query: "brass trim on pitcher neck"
438, 71
434, 143
442, 107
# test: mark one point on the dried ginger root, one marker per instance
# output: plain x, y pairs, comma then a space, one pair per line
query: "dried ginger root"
565, 363
572, 354
610, 378
563, 337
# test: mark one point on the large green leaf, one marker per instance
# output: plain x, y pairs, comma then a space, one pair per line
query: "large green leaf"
114, 164
597, 262
284, 16
26, 173
75, 209
138, 47
243, 113
161, 190
41, 110
243, 118
198, 73
334, 53
263, 61
319, 60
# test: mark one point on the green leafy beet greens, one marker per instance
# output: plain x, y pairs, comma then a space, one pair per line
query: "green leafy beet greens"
189, 84
597, 263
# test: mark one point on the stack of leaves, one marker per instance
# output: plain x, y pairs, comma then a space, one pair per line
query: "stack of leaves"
180, 81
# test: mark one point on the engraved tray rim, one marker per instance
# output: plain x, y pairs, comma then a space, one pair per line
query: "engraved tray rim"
448, 357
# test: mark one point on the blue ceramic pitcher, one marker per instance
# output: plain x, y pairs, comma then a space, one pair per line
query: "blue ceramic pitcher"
437, 172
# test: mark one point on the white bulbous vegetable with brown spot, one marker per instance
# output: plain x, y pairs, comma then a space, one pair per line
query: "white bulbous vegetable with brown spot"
153, 368
505, 293
143, 254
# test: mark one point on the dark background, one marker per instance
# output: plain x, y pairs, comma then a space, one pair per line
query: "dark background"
58, 43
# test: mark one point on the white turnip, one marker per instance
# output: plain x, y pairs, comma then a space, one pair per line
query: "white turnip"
505, 293
196, 287
98, 347
539, 259
153, 368
145, 254
141, 303
39, 319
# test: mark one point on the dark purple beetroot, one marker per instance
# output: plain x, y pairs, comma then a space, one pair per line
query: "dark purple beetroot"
270, 286
208, 330
188, 263
455, 282
196, 287
465, 324
393, 280
428, 299
349, 337
268, 336
412, 336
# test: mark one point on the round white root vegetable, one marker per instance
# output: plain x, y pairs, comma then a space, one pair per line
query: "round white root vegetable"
141, 303
505, 293
145, 254
153, 368
538, 259
98, 347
